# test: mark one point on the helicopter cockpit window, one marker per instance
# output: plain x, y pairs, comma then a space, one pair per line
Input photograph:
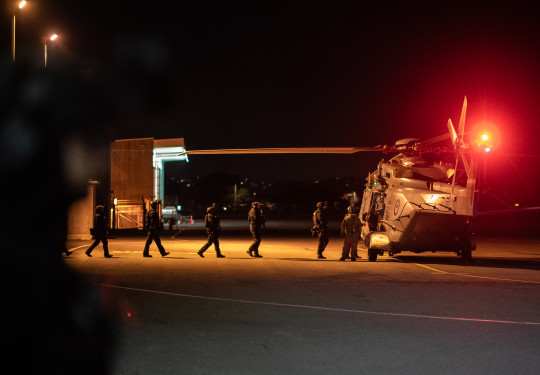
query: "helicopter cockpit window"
431, 173
402, 172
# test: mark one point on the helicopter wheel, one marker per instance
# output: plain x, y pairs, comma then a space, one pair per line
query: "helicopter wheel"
372, 255
464, 255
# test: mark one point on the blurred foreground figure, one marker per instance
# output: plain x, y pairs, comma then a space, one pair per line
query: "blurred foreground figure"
256, 221
57, 321
153, 226
101, 227
320, 228
213, 228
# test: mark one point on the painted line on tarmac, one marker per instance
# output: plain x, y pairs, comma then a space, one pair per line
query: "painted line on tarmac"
78, 247
324, 308
429, 268
477, 276
500, 279
473, 276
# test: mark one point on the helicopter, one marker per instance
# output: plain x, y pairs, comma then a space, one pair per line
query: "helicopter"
422, 199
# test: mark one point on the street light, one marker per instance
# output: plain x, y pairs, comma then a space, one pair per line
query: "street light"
45, 42
19, 7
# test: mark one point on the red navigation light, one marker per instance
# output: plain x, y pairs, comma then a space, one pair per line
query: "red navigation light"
485, 137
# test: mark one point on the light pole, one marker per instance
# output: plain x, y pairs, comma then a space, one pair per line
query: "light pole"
45, 42
20, 6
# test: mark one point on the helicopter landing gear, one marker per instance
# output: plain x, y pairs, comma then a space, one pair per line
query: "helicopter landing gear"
464, 255
372, 254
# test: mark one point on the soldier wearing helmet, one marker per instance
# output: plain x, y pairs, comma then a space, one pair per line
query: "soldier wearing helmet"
350, 228
213, 229
256, 221
99, 231
320, 227
153, 226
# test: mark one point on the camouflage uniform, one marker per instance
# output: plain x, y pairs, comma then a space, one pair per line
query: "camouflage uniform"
153, 226
351, 228
213, 229
320, 226
256, 221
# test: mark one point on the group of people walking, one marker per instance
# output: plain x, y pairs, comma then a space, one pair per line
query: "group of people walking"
350, 229
101, 229
256, 220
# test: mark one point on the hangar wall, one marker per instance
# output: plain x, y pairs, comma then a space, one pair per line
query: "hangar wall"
81, 215
132, 169
136, 178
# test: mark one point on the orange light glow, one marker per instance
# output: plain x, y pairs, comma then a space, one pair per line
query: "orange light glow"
487, 149
22, 4
485, 137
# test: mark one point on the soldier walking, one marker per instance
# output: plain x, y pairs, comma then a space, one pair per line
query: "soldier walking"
153, 226
350, 228
101, 228
320, 227
256, 221
213, 228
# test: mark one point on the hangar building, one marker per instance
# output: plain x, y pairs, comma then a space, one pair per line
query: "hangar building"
136, 179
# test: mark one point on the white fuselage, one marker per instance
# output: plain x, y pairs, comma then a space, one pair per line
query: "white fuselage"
419, 207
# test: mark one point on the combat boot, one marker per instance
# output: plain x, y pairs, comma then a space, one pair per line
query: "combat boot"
200, 253
320, 256
250, 252
256, 255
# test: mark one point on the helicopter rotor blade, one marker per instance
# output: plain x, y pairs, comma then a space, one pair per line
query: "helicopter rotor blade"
439, 138
461, 127
452, 131
291, 150
465, 163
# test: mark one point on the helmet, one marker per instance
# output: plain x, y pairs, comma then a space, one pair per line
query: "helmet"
210, 209
320, 204
100, 208
255, 204
350, 209
154, 204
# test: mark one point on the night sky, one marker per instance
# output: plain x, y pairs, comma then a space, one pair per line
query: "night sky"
272, 74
